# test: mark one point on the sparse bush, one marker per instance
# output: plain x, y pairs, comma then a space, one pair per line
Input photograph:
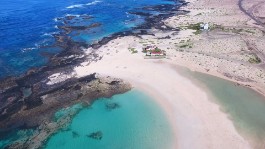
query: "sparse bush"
254, 59
133, 50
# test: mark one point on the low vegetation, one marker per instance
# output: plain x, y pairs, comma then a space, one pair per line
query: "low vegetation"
195, 27
186, 45
198, 14
132, 50
234, 30
254, 59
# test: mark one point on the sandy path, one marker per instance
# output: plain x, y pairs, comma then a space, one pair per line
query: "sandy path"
198, 123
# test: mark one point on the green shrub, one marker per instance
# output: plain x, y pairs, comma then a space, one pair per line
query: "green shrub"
254, 59
133, 50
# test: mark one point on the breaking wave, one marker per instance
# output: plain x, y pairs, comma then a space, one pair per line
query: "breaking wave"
82, 5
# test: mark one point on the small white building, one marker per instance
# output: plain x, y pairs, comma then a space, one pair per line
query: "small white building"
204, 26
201, 26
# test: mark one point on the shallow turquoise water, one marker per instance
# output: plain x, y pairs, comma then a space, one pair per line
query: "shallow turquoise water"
137, 122
244, 106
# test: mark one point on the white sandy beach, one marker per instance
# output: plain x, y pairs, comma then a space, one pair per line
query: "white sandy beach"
198, 123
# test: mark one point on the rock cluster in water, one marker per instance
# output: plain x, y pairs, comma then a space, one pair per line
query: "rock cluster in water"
96, 135
75, 134
69, 29
111, 106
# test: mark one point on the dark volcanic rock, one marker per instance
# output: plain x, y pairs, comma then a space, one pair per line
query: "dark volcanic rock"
67, 93
86, 17
141, 14
70, 17
7, 84
69, 29
45, 99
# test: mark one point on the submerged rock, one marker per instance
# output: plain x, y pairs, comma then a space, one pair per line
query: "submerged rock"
70, 17
96, 135
69, 29
75, 134
111, 106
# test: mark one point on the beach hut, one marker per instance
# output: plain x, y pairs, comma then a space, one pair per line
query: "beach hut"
148, 53
206, 26
154, 52
201, 26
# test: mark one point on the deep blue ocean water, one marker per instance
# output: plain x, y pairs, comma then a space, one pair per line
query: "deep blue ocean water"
27, 25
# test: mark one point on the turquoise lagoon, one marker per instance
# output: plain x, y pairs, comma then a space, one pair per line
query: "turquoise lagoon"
244, 106
134, 121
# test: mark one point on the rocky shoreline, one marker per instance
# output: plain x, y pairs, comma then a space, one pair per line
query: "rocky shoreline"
38, 109
29, 101
30, 110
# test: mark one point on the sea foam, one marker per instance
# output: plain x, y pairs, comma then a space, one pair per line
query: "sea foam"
82, 5
76, 15
28, 49
50, 34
